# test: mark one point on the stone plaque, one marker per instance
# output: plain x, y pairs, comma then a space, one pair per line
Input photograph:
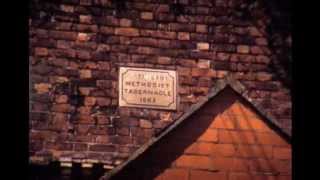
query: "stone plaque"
147, 88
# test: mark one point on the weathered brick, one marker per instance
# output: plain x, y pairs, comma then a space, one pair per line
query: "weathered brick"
106, 30
41, 51
243, 49
196, 72
146, 15
103, 101
102, 148
203, 46
145, 123
262, 59
256, 50
183, 36
158, 34
201, 28
223, 56
42, 87
86, 19
83, 37
261, 41
204, 64
62, 99
263, 76
127, 31
67, 8
253, 31
85, 74
63, 35
164, 60
90, 101
187, 62
63, 108
125, 22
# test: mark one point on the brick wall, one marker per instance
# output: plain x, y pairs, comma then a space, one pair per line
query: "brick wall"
77, 46
225, 140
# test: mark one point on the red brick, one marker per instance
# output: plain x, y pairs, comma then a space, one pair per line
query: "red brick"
65, 108
106, 30
145, 124
187, 62
224, 150
183, 36
201, 28
90, 101
270, 139
223, 122
203, 46
103, 101
67, 8
196, 162
102, 139
102, 148
236, 137
222, 163
221, 74
243, 49
240, 164
254, 151
199, 148
184, 71
262, 41
263, 76
127, 31
252, 123
125, 22
159, 34
253, 31
85, 74
209, 135
164, 60
62, 99
204, 64
146, 15
238, 109
206, 175
86, 19
173, 174
42, 87
282, 153
240, 176
196, 72
41, 52
63, 35
83, 37
263, 59
256, 50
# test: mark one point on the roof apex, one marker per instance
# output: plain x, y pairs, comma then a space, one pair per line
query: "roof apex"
220, 85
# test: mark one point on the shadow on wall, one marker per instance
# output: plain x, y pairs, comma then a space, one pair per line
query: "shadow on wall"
164, 154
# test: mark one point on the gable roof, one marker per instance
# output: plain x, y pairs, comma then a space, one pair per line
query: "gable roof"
228, 81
